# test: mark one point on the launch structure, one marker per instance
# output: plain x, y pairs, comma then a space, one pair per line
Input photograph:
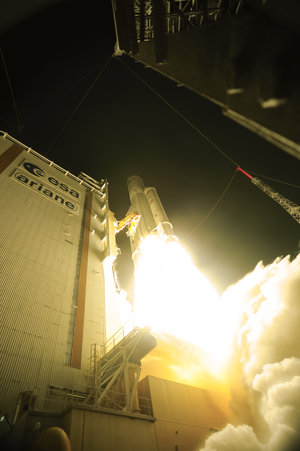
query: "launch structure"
220, 50
292, 208
62, 339
116, 369
131, 221
68, 361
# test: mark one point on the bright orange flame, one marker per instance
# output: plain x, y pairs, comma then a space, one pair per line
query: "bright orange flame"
183, 363
173, 297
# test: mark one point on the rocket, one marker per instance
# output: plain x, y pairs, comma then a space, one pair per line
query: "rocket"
154, 220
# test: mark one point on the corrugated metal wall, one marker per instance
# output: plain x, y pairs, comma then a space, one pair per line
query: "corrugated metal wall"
94, 323
40, 251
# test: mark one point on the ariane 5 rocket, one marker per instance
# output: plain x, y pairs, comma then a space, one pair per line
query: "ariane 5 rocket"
154, 220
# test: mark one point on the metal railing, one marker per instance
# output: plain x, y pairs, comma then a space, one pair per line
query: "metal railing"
123, 332
56, 400
54, 165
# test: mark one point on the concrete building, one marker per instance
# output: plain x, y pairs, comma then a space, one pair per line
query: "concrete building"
65, 359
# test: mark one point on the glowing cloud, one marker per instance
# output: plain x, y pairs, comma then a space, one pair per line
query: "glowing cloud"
267, 356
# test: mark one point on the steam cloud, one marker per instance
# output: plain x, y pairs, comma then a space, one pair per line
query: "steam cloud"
266, 361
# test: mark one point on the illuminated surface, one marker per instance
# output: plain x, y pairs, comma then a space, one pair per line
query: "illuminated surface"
242, 346
173, 297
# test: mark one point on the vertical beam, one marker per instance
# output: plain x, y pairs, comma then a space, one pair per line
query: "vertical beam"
126, 380
134, 397
79, 318
125, 25
9, 155
159, 24
142, 20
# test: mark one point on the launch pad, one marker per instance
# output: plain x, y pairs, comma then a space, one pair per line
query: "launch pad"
60, 302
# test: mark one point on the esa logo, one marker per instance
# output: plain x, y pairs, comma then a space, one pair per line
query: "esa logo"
33, 169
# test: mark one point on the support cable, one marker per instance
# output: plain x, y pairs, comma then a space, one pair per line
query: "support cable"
20, 126
79, 104
215, 204
275, 180
180, 114
196, 128
291, 208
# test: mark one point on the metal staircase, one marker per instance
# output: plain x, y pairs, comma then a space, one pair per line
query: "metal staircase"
115, 369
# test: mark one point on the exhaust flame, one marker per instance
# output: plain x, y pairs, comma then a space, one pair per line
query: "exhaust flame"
174, 298
248, 338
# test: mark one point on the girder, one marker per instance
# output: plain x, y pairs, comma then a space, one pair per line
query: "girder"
116, 369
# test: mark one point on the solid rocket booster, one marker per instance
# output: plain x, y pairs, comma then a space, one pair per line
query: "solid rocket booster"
146, 202
164, 227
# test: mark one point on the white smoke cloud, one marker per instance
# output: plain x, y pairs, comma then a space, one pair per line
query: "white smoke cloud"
267, 355
240, 438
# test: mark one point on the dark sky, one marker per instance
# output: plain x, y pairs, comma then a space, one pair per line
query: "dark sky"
53, 54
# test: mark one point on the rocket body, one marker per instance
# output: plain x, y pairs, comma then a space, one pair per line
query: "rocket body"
154, 220
164, 227
140, 204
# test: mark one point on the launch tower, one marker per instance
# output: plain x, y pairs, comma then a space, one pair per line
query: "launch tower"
67, 359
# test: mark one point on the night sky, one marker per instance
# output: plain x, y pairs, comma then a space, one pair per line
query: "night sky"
54, 53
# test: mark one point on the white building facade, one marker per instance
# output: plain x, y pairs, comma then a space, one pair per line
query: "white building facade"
54, 237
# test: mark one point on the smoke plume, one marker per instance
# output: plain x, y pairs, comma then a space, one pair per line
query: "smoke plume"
265, 380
